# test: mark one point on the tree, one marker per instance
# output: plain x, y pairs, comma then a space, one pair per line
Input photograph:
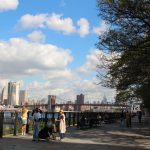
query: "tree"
129, 36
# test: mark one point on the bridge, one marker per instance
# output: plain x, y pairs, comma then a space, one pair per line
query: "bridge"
79, 107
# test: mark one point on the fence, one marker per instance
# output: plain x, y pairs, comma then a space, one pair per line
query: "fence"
10, 122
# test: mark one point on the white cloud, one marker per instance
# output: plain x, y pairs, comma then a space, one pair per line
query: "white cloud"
57, 23
101, 29
32, 21
92, 60
84, 27
36, 36
68, 89
6, 5
20, 57
54, 22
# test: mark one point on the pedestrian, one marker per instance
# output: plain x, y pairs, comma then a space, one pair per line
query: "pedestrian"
122, 118
36, 123
24, 115
127, 119
139, 116
62, 125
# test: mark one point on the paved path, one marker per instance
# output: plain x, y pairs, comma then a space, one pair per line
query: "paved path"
106, 137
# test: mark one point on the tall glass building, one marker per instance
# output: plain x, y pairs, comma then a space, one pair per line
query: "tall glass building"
13, 93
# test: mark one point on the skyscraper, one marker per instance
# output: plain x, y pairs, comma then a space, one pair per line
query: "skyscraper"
13, 93
23, 97
4, 96
80, 99
51, 102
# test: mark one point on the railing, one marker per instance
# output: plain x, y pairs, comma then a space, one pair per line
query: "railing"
10, 122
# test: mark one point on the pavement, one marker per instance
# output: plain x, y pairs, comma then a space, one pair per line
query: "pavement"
105, 137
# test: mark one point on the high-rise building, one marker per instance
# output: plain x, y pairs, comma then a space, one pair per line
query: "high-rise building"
51, 102
23, 97
4, 95
13, 93
80, 99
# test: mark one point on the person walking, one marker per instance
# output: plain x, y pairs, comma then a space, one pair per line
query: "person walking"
24, 115
36, 123
62, 125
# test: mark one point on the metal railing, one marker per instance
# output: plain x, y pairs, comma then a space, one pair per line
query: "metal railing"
10, 122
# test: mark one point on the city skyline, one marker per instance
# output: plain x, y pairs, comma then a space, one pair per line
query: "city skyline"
49, 47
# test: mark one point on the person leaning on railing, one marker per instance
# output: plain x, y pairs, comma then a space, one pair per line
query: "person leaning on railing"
24, 116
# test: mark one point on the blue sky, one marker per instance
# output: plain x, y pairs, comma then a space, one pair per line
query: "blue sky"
49, 46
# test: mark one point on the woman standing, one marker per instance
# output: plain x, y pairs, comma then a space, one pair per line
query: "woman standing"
62, 125
24, 115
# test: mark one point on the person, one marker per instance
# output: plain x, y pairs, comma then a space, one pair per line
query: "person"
62, 125
139, 116
122, 116
82, 122
24, 115
36, 122
127, 119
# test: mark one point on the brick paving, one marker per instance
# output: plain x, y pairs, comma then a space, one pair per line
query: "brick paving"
105, 137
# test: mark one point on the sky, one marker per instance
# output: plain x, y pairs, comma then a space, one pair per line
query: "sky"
49, 47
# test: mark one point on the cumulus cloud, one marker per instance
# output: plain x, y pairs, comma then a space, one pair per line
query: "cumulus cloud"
54, 22
84, 27
57, 23
6, 5
32, 21
101, 29
36, 36
28, 58
92, 60
68, 89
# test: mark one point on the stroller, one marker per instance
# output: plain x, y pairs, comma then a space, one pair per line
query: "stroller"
48, 132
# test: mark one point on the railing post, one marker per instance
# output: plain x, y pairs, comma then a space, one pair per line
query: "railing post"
1, 123
74, 115
45, 121
27, 126
15, 123
69, 119
78, 117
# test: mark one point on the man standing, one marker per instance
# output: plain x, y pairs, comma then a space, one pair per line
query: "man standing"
36, 123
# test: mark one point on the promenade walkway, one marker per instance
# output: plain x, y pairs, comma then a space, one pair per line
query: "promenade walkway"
106, 137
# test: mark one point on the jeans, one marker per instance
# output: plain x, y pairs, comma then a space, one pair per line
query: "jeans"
36, 131
62, 135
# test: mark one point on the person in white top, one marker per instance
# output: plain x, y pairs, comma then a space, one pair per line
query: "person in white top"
36, 122
62, 125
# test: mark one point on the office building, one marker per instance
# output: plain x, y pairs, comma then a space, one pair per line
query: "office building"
51, 102
13, 93
4, 96
23, 97
80, 99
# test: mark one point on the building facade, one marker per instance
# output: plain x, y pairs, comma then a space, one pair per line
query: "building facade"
23, 97
4, 96
51, 102
79, 101
13, 93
